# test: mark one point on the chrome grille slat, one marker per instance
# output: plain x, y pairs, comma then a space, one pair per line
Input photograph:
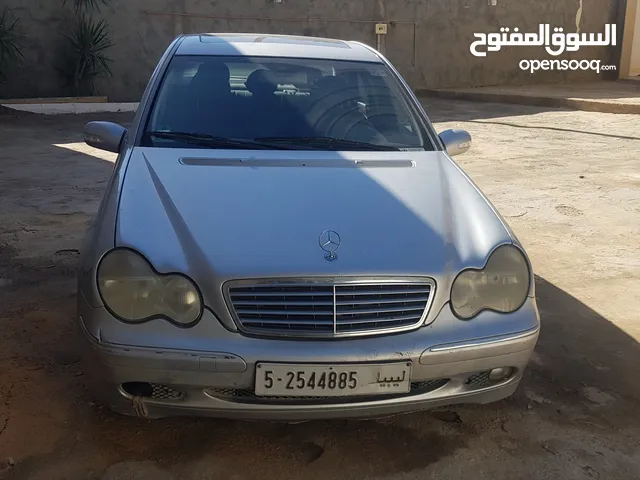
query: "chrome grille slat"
288, 329
389, 318
287, 294
381, 309
341, 291
323, 309
397, 299
285, 321
302, 303
242, 311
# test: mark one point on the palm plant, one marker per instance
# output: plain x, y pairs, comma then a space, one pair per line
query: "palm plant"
10, 48
86, 60
85, 57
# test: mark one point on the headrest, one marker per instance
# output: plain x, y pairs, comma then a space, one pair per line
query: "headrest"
213, 72
261, 80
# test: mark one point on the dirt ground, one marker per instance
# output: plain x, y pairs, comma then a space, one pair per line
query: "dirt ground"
567, 182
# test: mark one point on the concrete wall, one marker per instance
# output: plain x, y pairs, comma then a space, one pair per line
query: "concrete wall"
434, 53
634, 62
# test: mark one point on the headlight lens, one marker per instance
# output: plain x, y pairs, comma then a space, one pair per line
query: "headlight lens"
502, 285
134, 292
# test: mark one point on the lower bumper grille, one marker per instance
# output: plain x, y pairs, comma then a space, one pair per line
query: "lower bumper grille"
479, 380
248, 396
165, 392
318, 309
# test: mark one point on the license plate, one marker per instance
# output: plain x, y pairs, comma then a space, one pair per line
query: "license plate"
297, 380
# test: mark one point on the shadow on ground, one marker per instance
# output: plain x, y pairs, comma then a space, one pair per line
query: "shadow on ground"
445, 110
450, 110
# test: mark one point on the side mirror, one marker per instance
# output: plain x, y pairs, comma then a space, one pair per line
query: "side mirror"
456, 141
104, 135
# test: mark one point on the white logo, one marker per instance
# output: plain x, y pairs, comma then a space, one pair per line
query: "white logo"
555, 44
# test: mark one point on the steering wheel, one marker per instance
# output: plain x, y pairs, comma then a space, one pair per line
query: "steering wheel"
336, 114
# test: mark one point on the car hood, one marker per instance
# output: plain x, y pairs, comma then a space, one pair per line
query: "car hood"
227, 214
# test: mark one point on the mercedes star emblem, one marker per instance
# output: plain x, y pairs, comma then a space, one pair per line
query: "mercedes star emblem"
330, 242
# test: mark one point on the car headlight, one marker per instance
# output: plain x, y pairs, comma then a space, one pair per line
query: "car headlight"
502, 285
134, 292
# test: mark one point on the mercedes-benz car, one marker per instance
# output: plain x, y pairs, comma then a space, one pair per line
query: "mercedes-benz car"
285, 237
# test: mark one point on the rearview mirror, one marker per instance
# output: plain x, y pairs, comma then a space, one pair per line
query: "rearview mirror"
104, 135
456, 141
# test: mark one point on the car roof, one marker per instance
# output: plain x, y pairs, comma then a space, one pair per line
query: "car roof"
268, 45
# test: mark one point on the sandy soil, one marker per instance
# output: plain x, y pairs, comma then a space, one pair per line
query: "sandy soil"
567, 182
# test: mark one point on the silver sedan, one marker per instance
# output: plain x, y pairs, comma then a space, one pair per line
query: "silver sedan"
285, 237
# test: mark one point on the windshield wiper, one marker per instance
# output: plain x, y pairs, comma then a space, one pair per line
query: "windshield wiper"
206, 140
330, 143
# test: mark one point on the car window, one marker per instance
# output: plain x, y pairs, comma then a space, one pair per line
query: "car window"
289, 103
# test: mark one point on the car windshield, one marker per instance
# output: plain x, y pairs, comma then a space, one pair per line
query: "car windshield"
282, 103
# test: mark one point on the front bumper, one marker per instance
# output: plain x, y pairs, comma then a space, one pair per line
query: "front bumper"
215, 375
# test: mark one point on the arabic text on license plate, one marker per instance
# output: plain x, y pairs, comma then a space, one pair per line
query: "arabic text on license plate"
299, 380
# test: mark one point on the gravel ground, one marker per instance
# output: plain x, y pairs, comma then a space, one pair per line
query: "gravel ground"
567, 182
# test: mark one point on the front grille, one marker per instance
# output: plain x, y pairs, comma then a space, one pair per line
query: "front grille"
248, 396
328, 310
